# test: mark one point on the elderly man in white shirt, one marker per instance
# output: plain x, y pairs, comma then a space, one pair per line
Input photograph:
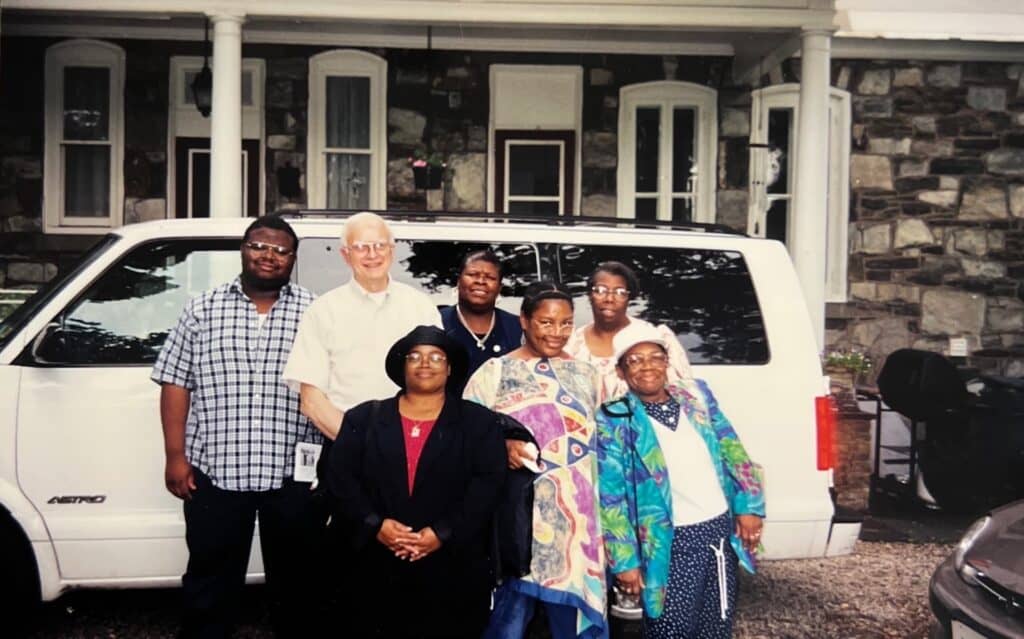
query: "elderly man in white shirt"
337, 360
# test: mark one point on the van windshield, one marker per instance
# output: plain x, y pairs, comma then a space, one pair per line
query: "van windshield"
706, 297
10, 324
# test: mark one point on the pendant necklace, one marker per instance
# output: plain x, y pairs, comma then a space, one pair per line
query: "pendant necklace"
414, 432
480, 341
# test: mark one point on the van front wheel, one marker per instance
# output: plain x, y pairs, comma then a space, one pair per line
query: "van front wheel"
19, 588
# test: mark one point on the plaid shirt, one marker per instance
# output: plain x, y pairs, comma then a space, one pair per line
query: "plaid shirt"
243, 421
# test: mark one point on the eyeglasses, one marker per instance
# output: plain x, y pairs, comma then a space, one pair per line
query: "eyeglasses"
549, 327
635, 361
619, 292
263, 247
433, 360
365, 248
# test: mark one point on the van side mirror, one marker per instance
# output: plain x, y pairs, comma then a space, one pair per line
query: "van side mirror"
50, 343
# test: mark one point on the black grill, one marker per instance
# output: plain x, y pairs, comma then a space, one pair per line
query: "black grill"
1012, 602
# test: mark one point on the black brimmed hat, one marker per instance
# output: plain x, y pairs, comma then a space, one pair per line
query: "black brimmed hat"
458, 360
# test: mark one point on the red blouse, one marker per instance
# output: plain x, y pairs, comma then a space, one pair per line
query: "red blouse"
415, 433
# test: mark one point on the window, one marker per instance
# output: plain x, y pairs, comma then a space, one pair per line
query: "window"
534, 171
84, 149
24, 312
705, 296
347, 131
535, 125
124, 317
668, 135
431, 266
772, 162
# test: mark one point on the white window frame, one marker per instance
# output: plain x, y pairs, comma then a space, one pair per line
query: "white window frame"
507, 199
519, 101
348, 63
787, 96
668, 95
81, 53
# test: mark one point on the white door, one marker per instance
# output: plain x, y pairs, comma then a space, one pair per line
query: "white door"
90, 448
188, 141
772, 182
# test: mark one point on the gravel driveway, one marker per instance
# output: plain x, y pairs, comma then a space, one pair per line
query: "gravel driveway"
879, 591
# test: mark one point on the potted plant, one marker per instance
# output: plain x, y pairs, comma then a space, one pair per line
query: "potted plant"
847, 367
427, 168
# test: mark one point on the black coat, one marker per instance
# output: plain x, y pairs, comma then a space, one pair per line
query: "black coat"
458, 479
513, 522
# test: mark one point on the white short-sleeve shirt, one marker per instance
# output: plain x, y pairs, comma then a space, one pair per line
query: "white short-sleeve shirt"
346, 333
696, 494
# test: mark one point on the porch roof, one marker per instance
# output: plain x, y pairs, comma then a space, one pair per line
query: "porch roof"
614, 14
748, 29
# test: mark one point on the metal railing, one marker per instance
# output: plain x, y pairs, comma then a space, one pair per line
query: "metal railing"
23, 293
12, 298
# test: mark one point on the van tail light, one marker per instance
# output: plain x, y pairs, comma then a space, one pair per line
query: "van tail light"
825, 413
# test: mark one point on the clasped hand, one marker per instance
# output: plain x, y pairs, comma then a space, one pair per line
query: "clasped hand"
406, 543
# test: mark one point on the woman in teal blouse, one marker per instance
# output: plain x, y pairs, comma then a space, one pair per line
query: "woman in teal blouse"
680, 498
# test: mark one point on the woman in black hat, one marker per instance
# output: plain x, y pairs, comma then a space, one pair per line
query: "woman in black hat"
416, 479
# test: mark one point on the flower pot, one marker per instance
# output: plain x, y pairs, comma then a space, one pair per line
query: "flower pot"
843, 379
427, 177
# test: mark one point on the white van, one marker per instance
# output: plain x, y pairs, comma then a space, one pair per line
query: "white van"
82, 497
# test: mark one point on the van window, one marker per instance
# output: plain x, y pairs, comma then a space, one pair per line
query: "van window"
11, 323
705, 296
125, 315
431, 266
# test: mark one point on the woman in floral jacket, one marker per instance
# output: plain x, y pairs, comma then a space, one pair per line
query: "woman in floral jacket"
681, 500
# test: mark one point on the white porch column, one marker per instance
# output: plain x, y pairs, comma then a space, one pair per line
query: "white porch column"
226, 117
810, 205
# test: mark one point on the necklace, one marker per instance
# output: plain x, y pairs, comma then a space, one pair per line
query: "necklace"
416, 426
415, 429
480, 341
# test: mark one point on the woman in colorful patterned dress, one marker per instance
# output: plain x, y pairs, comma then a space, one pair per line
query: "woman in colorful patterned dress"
610, 287
555, 397
680, 498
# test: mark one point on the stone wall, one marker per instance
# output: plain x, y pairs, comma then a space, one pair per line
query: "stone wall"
444, 98
937, 210
285, 104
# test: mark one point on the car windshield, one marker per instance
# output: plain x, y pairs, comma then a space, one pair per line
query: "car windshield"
10, 324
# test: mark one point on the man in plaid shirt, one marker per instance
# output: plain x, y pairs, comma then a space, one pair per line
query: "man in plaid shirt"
232, 431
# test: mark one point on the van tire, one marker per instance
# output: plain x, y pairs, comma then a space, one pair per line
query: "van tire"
19, 589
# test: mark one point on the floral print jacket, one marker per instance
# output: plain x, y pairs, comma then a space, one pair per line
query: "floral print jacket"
635, 495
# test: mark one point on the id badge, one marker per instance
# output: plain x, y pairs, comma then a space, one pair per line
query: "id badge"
306, 456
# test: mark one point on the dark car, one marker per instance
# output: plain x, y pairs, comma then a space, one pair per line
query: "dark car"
978, 591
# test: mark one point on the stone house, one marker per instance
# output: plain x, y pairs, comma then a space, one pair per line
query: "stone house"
886, 151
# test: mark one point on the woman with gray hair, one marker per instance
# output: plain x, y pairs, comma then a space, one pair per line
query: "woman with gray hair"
681, 499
